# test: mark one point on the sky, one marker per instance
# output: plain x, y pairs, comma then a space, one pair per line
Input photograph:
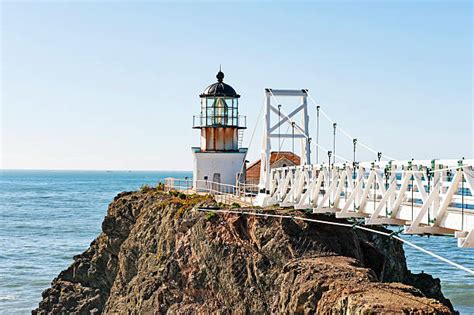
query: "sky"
114, 85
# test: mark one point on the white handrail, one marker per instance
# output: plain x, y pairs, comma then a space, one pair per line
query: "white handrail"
428, 197
229, 193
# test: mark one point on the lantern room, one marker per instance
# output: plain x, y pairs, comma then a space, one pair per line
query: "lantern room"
219, 120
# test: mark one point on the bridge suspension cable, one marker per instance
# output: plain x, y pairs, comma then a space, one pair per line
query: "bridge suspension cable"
355, 226
253, 133
345, 133
378, 153
357, 140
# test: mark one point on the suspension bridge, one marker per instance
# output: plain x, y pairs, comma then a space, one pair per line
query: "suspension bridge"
426, 197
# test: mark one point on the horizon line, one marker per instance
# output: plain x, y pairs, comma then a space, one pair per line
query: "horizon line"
91, 170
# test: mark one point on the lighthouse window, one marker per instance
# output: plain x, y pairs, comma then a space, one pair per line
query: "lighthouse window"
209, 111
210, 102
219, 111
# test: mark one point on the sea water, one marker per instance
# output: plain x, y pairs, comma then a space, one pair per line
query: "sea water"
47, 217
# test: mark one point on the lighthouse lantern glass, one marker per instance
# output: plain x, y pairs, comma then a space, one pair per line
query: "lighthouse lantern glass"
219, 111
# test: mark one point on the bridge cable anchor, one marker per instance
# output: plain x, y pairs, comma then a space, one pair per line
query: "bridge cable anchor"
356, 224
394, 233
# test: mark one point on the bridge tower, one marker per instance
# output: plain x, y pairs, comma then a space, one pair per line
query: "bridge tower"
300, 131
219, 159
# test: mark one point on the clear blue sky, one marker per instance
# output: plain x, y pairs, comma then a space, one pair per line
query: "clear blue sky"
114, 85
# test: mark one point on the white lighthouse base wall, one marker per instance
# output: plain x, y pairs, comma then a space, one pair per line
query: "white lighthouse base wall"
220, 167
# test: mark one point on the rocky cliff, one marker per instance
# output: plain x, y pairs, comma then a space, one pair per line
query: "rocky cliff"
158, 254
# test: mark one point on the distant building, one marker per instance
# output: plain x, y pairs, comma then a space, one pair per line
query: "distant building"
277, 159
220, 158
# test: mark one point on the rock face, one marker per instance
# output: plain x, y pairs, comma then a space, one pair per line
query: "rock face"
158, 254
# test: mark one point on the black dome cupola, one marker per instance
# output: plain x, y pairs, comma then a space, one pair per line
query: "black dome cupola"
220, 88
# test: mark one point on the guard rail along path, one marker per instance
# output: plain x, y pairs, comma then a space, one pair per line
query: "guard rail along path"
242, 194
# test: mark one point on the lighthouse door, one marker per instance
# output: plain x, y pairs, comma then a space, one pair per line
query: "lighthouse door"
216, 180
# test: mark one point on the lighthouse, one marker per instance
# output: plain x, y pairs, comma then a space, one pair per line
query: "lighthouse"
220, 158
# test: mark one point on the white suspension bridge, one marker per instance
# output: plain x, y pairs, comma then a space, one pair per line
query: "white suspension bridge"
427, 197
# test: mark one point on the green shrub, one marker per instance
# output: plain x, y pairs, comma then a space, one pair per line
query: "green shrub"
145, 188
173, 193
210, 215
235, 205
160, 187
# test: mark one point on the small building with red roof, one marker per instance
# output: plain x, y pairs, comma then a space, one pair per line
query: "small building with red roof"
277, 159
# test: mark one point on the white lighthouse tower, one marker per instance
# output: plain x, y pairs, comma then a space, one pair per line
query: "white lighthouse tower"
219, 159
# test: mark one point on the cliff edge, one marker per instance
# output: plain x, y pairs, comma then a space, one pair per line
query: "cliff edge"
158, 254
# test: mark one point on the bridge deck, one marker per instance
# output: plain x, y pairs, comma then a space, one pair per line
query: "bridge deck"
433, 197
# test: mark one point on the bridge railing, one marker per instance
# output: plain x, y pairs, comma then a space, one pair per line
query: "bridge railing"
228, 194
432, 197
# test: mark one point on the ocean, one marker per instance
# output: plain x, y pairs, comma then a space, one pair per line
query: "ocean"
47, 217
